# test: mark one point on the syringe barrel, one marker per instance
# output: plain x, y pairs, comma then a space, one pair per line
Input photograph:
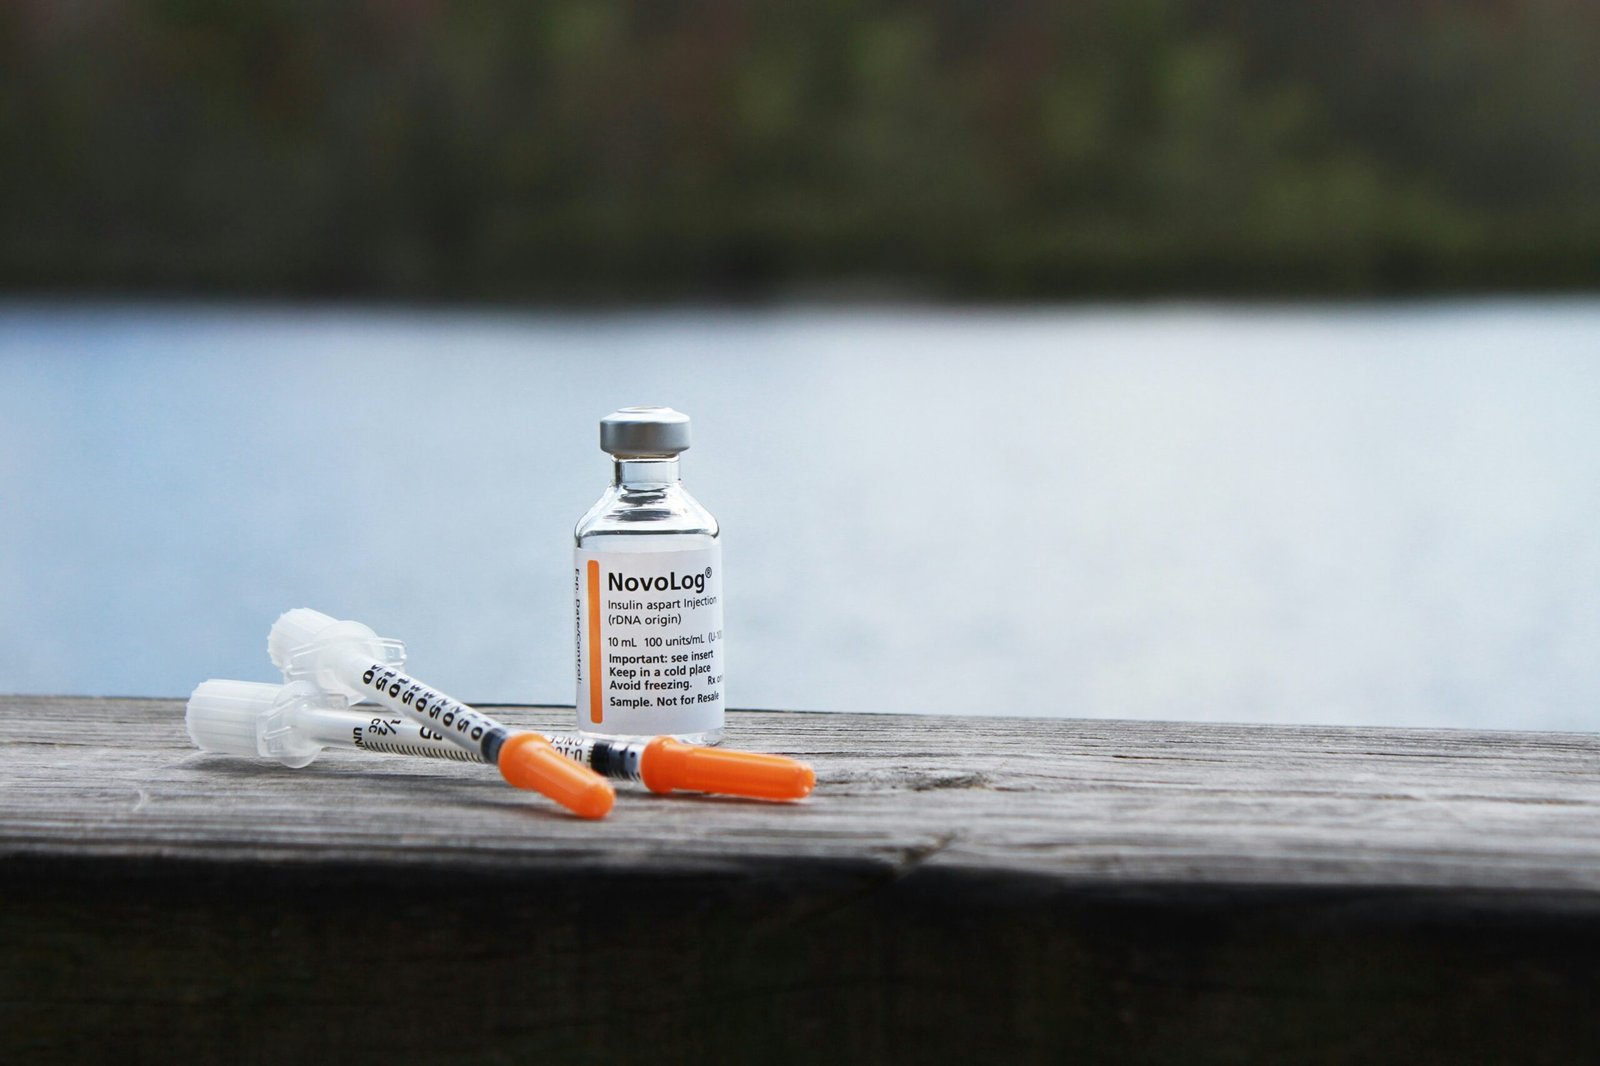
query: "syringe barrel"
390, 734
422, 703
348, 658
380, 730
524, 759
401, 735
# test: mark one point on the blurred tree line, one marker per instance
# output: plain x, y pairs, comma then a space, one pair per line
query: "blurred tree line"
590, 149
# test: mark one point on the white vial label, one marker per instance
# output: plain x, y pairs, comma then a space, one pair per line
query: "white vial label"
649, 641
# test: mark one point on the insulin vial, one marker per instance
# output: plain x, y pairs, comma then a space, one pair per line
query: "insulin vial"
647, 580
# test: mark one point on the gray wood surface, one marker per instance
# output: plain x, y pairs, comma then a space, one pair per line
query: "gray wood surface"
957, 890
1070, 800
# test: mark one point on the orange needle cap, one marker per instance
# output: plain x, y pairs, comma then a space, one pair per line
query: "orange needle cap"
669, 764
528, 761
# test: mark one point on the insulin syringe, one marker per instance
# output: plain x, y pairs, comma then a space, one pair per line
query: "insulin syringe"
292, 723
350, 660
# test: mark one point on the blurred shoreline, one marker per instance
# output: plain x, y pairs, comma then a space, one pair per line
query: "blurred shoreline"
600, 152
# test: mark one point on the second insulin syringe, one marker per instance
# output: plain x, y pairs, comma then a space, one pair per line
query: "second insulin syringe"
350, 660
293, 723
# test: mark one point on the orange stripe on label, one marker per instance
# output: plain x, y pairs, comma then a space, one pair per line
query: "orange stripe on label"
595, 687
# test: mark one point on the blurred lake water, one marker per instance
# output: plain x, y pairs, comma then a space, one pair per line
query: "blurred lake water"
1346, 513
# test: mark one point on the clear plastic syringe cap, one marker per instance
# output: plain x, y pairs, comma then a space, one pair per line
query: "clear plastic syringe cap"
644, 431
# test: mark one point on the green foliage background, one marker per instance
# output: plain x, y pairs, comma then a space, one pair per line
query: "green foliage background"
589, 149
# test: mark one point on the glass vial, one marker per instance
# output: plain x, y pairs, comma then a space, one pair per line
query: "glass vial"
647, 582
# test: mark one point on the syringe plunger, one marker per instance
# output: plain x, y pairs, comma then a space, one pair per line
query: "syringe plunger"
308, 645
252, 719
294, 630
222, 715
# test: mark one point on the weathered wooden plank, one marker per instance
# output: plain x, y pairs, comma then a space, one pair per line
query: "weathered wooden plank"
1031, 888
1106, 802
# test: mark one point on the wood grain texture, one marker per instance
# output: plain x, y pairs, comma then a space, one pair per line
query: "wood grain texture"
956, 889
1074, 800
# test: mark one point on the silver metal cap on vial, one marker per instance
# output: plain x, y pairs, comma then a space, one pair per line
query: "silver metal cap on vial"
644, 431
